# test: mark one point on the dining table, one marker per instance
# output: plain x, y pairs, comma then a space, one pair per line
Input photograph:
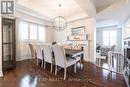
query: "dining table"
73, 53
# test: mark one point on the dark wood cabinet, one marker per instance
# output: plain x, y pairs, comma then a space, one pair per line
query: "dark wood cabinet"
8, 44
127, 61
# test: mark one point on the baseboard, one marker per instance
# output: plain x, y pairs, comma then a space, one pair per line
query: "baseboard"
21, 59
1, 74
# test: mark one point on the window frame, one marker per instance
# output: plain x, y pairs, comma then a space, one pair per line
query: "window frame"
109, 37
44, 39
23, 22
30, 31
37, 27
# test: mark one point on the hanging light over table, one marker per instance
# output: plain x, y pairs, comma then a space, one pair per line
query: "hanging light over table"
59, 22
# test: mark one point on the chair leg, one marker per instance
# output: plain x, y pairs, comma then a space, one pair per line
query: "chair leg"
44, 65
55, 69
64, 73
75, 68
37, 62
80, 64
34, 61
51, 67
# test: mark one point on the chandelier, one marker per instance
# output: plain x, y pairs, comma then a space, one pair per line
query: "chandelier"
59, 22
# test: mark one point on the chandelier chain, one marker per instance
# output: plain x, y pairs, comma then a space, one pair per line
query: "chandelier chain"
59, 22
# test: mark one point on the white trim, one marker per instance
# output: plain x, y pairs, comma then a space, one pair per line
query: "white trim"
30, 12
21, 59
102, 28
78, 19
1, 74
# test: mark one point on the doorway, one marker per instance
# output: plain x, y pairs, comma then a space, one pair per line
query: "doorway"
109, 48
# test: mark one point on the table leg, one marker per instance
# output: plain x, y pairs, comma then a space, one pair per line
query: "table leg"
99, 62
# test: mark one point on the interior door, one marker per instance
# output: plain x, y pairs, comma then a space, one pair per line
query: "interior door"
8, 43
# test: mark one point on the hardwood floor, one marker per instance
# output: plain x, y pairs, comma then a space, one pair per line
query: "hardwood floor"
26, 75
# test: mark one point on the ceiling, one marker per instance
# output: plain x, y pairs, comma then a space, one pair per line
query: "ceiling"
104, 10
102, 4
115, 14
69, 9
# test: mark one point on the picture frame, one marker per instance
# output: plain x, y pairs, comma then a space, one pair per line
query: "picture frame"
78, 30
78, 34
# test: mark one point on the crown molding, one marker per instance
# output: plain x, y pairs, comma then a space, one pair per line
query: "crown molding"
30, 12
27, 11
83, 18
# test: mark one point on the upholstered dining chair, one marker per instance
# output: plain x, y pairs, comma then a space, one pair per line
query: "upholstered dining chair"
112, 48
33, 54
48, 56
63, 61
39, 54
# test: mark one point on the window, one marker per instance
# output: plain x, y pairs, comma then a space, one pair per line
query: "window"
41, 32
109, 37
112, 37
30, 31
106, 38
24, 30
33, 32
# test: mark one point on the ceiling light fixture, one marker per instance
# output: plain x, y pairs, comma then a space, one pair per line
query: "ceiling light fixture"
59, 22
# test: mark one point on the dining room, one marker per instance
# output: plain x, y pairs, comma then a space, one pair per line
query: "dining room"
52, 44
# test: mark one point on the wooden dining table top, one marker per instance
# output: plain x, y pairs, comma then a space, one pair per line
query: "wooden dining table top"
72, 52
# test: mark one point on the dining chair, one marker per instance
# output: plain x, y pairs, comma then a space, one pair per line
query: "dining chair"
63, 61
112, 48
78, 47
33, 54
48, 56
39, 54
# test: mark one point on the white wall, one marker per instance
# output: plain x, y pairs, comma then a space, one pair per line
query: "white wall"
126, 32
89, 23
1, 74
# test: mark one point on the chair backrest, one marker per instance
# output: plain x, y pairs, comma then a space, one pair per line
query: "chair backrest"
104, 51
59, 54
113, 48
47, 53
32, 50
39, 52
53, 43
